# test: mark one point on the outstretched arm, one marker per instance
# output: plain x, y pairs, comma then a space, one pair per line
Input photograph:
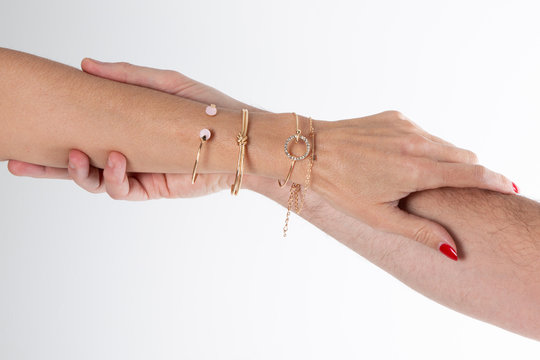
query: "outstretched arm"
497, 279
48, 108
364, 167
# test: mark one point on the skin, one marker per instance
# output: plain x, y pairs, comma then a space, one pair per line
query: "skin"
496, 280
158, 132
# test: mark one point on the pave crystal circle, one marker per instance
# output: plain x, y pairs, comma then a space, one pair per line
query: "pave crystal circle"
297, 158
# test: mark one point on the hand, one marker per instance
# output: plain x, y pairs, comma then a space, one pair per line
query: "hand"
367, 165
138, 186
379, 195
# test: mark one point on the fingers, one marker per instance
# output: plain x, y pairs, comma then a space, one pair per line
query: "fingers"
118, 184
448, 153
435, 138
444, 174
432, 137
421, 146
441, 165
86, 176
162, 80
421, 230
422, 131
20, 168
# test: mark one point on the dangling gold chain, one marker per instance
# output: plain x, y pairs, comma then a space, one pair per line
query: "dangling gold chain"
296, 189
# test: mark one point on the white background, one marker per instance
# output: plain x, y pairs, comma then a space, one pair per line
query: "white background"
85, 277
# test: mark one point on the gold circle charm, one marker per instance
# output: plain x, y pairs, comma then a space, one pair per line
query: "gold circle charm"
297, 158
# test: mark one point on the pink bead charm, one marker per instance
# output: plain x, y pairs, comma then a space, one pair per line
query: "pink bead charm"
205, 134
211, 110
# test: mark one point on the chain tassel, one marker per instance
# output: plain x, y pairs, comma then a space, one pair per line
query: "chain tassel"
296, 196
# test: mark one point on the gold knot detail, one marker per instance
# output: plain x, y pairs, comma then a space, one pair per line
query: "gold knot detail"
241, 139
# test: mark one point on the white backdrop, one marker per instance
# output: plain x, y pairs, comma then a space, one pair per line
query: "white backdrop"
86, 277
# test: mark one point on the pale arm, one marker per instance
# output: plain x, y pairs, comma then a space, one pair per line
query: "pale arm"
49, 108
498, 265
366, 165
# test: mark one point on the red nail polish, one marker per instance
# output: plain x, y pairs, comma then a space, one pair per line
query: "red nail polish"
448, 251
516, 189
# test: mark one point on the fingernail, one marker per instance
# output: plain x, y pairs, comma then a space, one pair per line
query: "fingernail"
448, 251
516, 189
110, 163
71, 165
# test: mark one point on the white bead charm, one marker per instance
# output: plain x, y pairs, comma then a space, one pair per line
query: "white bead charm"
205, 134
211, 110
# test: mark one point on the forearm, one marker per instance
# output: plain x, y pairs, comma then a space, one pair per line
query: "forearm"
497, 278
48, 108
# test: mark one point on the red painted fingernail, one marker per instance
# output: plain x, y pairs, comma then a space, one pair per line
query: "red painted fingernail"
516, 189
448, 251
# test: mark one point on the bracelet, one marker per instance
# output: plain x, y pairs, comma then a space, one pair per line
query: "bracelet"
204, 135
241, 139
296, 191
297, 136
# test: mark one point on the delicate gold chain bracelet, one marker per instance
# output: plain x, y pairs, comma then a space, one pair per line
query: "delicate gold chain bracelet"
241, 139
296, 189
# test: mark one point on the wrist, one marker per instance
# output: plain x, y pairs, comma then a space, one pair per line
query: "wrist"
265, 154
266, 133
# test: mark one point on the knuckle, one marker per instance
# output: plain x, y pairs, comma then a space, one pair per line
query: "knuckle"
375, 220
406, 147
416, 169
401, 120
124, 65
94, 189
396, 115
480, 173
423, 234
412, 143
503, 181
473, 157
406, 125
417, 139
168, 78
115, 196
14, 169
172, 74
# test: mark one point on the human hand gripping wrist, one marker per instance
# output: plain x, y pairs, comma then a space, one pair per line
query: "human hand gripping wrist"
367, 165
395, 158
114, 179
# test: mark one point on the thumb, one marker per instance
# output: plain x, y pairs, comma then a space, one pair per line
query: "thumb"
421, 230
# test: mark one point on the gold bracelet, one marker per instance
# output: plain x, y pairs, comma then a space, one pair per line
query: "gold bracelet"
241, 139
297, 136
296, 191
204, 135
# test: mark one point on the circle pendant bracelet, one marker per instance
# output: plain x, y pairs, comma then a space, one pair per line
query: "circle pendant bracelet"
296, 196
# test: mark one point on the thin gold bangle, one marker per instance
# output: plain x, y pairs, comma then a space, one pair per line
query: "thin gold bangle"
296, 196
194, 173
241, 139
297, 136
